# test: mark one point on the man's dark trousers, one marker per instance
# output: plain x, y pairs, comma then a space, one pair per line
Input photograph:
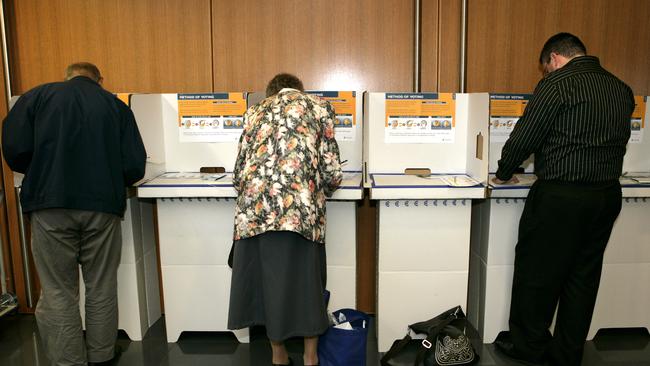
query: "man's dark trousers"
563, 233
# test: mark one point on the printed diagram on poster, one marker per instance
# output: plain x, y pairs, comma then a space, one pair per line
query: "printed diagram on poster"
637, 122
211, 117
345, 108
505, 111
420, 118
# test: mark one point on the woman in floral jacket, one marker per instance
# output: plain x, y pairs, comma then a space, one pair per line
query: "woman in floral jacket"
288, 164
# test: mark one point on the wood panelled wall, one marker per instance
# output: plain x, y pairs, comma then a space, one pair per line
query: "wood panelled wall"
440, 46
154, 46
203, 45
505, 38
330, 44
5, 205
139, 45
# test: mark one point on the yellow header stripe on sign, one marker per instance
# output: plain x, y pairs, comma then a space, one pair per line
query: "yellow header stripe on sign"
211, 105
507, 108
124, 97
344, 103
639, 109
443, 106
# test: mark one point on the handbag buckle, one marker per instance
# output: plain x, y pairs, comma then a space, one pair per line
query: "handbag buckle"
426, 344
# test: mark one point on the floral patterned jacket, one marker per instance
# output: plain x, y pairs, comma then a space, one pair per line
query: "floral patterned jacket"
288, 163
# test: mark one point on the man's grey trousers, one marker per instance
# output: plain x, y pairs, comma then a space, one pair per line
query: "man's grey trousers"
62, 240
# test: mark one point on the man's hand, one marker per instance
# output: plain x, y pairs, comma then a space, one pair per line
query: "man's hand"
512, 180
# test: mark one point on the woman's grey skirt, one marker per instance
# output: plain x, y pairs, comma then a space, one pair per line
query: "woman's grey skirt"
278, 280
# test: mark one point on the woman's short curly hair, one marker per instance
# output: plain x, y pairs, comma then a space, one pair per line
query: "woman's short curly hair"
281, 81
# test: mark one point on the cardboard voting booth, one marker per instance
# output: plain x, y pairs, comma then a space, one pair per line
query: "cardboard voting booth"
196, 210
424, 219
623, 296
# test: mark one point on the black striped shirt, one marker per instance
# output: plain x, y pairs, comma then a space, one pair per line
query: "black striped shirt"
577, 124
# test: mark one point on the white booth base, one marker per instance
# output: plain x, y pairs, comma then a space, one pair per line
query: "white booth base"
623, 298
423, 262
195, 239
624, 295
137, 275
494, 236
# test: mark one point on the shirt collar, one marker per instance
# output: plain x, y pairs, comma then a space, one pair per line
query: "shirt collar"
84, 78
583, 60
286, 90
576, 63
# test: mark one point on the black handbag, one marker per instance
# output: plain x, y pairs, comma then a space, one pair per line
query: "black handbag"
445, 344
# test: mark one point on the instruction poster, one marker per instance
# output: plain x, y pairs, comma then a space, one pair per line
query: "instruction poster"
211, 117
637, 122
505, 111
420, 118
345, 107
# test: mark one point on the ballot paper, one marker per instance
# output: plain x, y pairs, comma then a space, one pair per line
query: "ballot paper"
350, 176
459, 181
524, 180
212, 177
636, 177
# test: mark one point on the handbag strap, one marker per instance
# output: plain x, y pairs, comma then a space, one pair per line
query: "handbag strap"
395, 349
425, 326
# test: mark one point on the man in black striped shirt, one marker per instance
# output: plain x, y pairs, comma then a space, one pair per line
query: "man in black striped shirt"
577, 124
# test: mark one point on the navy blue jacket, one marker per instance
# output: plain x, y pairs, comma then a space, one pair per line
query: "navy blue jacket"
77, 144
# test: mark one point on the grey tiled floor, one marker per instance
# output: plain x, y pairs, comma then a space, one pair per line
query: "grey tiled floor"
20, 346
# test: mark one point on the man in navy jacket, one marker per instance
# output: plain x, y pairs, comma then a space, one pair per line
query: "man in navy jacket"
79, 148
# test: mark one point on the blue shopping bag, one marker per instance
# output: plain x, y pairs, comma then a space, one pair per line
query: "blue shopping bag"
345, 347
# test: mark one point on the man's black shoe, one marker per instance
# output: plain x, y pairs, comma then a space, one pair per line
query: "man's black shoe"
503, 344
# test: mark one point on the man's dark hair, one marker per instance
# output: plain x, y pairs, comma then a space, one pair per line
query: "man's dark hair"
82, 69
281, 81
565, 44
